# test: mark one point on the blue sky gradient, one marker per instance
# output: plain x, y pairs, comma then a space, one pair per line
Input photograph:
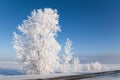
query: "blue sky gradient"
92, 25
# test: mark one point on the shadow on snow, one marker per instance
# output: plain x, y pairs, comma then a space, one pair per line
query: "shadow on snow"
11, 72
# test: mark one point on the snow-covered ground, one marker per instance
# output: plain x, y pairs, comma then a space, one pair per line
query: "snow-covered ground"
11, 71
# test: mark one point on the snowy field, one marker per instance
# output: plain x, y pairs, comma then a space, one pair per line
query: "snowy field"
11, 71
10, 68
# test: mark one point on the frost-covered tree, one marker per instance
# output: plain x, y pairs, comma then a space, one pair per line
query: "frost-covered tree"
68, 51
67, 56
76, 66
36, 44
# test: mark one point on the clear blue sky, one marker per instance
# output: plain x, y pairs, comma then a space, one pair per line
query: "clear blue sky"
92, 25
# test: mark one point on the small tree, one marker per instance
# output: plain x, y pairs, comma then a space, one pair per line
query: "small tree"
36, 45
67, 57
76, 66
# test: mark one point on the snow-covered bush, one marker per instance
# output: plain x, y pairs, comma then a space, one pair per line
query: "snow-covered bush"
36, 44
86, 67
94, 66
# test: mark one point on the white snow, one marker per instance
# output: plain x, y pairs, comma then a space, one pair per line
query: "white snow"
23, 77
14, 66
31, 76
